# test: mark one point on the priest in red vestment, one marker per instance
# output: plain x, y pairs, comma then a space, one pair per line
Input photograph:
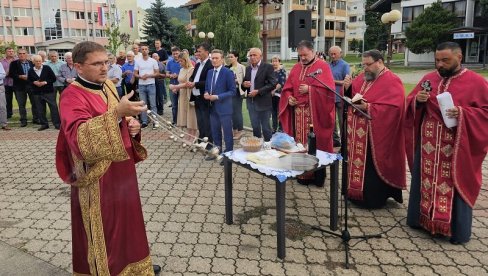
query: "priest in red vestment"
376, 147
96, 153
304, 102
446, 162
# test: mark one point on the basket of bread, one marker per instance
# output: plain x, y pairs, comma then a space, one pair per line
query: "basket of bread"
251, 144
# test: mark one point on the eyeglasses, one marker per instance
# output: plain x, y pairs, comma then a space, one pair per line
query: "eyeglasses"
368, 64
99, 64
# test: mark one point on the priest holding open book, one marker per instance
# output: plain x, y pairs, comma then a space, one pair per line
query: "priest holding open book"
376, 147
445, 156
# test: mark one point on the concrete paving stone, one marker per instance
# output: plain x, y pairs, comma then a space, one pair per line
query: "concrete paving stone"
314, 256
160, 249
55, 246
213, 218
224, 266
197, 218
10, 232
361, 257
315, 243
251, 229
229, 239
413, 257
473, 270
204, 250
152, 236
465, 258
422, 270
199, 264
296, 256
369, 270
160, 217
28, 233
182, 250
232, 229
271, 268
184, 209
388, 257
49, 234
320, 270
268, 240
43, 255
168, 237
437, 257
381, 244
178, 217
247, 267
226, 251
202, 209
188, 238
208, 238
446, 269
65, 235
34, 245
292, 269
212, 227
172, 226
176, 264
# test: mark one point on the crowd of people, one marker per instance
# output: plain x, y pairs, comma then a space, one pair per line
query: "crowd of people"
105, 94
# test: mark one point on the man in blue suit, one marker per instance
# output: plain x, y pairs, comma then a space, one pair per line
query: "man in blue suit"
220, 87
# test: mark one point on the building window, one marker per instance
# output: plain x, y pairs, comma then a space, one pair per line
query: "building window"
353, 19
329, 25
22, 12
409, 14
458, 8
24, 31
274, 46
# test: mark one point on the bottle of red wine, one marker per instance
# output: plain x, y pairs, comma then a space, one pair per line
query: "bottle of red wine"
312, 142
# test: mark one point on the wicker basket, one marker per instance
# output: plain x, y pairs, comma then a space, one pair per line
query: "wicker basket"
251, 144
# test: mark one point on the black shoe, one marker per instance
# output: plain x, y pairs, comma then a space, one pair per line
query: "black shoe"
160, 112
210, 157
43, 128
157, 269
23, 124
221, 162
36, 122
143, 125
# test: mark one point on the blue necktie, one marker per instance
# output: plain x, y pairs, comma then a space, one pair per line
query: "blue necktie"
214, 80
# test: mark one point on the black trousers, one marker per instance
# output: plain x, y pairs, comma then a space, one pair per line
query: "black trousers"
9, 96
202, 109
21, 94
50, 99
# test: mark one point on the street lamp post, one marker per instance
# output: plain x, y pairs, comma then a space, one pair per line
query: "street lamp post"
390, 18
206, 36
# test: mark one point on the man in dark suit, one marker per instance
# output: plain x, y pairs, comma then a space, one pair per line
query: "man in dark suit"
42, 78
220, 87
197, 83
258, 83
18, 72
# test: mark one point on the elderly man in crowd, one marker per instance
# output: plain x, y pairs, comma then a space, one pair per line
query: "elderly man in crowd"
115, 74
55, 65
67, 71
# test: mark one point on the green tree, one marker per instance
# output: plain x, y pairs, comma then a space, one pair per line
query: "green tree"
183, 39
484, 8
233, 23
5, 44
114, 38
430, 28
376, 33
157, 25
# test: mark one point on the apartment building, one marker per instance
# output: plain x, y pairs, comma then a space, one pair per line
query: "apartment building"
356, 25
471, 32
333, 25
60, 24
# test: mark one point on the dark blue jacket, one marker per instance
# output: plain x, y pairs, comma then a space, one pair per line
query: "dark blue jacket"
225, 88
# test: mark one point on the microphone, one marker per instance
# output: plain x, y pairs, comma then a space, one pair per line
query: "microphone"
313, 74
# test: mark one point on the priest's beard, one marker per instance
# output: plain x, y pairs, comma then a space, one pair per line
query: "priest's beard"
369, 76
448, 72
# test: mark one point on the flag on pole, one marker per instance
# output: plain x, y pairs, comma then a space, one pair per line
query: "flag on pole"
117, 16
101, 16
132, 18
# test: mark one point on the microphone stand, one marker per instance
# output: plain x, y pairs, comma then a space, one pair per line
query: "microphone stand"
344, 235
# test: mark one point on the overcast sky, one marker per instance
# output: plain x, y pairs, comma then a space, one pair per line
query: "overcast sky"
167, 3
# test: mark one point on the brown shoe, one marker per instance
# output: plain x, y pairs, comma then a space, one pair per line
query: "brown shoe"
6, 128
238, 135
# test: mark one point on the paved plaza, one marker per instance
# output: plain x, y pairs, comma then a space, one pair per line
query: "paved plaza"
183, 204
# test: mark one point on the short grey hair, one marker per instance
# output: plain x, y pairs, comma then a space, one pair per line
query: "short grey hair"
68, 54
36, 57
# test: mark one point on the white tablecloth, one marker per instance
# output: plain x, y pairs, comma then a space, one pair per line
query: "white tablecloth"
240, 156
